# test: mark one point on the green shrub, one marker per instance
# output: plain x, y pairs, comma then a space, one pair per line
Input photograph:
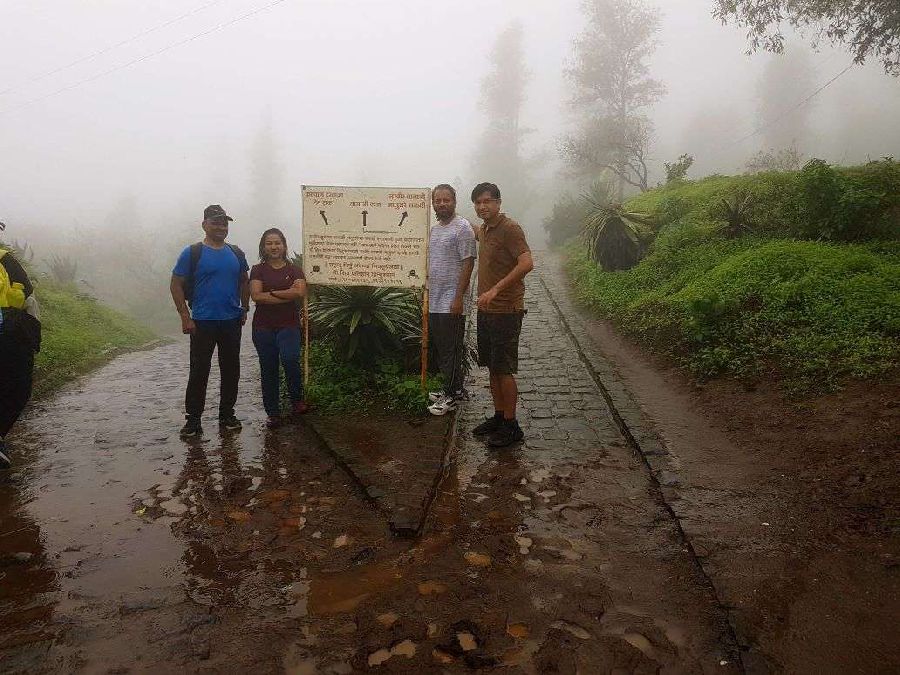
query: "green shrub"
338, 386
570, 213
850, 204
365, 323
820, 202
811, 313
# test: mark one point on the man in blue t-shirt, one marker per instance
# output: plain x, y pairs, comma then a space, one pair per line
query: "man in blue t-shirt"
212, 276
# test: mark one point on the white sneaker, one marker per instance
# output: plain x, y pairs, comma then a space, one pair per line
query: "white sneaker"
435, 396
443, 405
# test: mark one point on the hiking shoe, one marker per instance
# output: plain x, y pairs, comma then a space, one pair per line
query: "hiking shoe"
489, 426
230, 422
4, 458
191, 428
435, 396
443, 405
506, 434
301, 408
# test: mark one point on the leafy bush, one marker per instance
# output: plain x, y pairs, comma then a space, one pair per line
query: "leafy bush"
337, 386
737, 213
569, 213
366, 323
677, 170
852, 204
811, 313
820, 202
615, 238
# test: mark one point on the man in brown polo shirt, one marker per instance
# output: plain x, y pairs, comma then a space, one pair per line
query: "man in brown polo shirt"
503, 261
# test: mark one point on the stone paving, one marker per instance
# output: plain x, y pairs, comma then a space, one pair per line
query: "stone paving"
604, 558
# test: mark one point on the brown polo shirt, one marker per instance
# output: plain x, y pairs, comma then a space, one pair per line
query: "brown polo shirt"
502, 242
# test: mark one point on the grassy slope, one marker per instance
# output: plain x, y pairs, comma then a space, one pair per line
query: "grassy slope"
78, 334
809, 312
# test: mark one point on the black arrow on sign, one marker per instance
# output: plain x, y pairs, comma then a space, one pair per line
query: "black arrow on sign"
364, 214
322, 213
403, 216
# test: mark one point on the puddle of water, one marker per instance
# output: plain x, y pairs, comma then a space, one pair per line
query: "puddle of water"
299, 591
343, 591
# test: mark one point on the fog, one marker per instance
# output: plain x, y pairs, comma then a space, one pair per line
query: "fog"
126, 148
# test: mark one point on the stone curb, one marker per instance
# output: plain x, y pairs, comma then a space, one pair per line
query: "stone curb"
401, 518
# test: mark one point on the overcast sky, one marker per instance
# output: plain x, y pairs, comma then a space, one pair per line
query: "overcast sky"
384, 91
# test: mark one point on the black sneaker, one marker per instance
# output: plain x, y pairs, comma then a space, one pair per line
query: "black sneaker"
191, 428
4, 458
489, 426
230, 422
507, 434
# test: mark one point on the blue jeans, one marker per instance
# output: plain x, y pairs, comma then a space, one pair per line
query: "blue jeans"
274, 345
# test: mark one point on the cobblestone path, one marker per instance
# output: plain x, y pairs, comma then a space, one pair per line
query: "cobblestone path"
586, 551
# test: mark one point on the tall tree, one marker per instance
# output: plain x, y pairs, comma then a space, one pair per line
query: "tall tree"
786, 77
867, 28
613, 90
265, 177
500, 156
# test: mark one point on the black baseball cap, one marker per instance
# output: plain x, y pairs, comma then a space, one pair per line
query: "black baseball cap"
215, 211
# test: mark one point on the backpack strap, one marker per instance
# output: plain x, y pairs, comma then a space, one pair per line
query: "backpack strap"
239, 253
196, 251
242, 262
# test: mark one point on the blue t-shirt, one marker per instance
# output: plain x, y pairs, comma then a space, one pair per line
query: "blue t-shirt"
216, 291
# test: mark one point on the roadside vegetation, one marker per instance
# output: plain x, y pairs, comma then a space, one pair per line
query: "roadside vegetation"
787, 275
78, 332
365, 350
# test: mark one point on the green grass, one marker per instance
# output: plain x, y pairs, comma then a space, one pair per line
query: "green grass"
810, 313
78, 334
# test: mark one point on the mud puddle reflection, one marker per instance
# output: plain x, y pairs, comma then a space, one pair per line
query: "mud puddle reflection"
121, 544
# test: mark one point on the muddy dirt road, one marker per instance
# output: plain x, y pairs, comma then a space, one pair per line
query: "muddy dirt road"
125, 549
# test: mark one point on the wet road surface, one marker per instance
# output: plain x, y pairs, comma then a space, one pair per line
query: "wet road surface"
125, 549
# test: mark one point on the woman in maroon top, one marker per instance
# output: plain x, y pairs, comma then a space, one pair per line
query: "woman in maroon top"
276, 286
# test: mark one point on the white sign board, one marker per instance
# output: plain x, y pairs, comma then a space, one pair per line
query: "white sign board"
364, 236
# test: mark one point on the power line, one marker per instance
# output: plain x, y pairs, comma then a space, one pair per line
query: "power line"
787, 112
140, 59
88, 57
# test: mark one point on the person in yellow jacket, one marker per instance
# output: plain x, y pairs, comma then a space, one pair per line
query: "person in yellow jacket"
20, 339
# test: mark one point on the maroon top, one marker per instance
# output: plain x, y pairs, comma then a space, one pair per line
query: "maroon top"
284, 315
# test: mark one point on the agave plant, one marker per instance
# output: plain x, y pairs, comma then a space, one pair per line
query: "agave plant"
617, 239
366, 323
737, 212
